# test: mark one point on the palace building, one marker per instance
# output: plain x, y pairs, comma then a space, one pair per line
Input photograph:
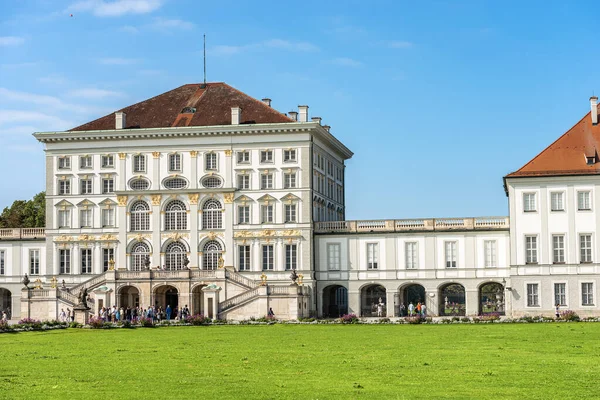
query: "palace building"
204, 196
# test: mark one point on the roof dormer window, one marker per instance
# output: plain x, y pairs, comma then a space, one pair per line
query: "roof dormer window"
590, 160
188, 110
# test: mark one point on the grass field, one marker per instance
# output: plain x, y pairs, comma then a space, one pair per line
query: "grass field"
510, 361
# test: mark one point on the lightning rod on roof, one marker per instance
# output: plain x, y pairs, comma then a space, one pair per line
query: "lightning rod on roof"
204, 60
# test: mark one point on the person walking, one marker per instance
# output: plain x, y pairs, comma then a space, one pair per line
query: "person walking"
557, 311
168, 312
418, 309
411, 309
4, 316
423, 310
63, 315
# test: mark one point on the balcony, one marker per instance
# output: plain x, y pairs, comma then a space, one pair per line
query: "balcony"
22, 233
414, 225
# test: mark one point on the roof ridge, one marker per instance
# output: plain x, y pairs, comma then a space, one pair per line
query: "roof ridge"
258, 101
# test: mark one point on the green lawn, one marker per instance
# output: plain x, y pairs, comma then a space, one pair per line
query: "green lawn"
511, 361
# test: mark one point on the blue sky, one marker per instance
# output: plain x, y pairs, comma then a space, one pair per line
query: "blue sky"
438, 100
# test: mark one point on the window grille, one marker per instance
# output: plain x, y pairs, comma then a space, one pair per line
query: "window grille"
212, 215
211, 253
175, 216
140, 216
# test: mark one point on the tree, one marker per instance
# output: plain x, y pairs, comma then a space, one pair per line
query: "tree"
25, 214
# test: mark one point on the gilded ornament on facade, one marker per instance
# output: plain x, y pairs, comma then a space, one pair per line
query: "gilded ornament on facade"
122, 156
108, 237
267, 233
228, 198
300, 278
156, 199
37, 284
193, 153
263, 279
155, 154
122, 200
53, 282
63, 238
193, 198
290, 232
228, 153
86, 238
243, 234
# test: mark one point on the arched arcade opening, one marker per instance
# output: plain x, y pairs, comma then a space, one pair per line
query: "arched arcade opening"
491, 298
335, 301
452, 300
370, 298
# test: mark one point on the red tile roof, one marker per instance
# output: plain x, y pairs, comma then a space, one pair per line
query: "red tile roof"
212, 103
567, 155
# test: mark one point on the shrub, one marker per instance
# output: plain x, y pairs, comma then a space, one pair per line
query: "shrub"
30, 323
98, 323
384, 321
455, 319
146, 322
414, 320
5, 326
199, 319
569, 315
446, 321
349, 319
465, 319
126, 324
75, 325
306, 319
490, 317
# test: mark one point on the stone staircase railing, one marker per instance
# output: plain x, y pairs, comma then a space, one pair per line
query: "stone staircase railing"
242, 280
90, 283
240, 298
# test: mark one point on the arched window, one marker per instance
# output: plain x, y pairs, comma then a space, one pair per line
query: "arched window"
175, 256
139, 252
212, 253
175, 216
140, 216
211, 215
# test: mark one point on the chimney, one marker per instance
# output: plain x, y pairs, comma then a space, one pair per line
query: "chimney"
293, 115
236, 115
327, 127
267, 101
594, 107
120, 120
316, 119
302, 113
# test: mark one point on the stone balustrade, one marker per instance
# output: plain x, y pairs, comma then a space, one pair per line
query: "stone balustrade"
22, 233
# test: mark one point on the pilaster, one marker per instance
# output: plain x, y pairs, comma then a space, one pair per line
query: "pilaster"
121, 251
120, 184
97, 258
156, 227
194, 169
228, 170
193, 223
472, 300
155, 170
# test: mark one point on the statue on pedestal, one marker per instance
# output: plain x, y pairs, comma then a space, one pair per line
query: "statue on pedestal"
294, 276
26, 281
147, 262
83, 297
186, 261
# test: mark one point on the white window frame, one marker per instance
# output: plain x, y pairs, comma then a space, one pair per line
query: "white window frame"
588, 256
533, 296
86, 218
372, 256
108, 217
289, 180
243, 214
64, 187
108, 161
64, 218
64, 261
108, 185
211, 161
243, 181
268, 257
290, 212
243, 157
139, 163
559, 297
451, 254
64, 162
531, 252
86, 186
266, 181
175, 162
558, 248
266, 157
411, 255
108, 253
529, 202
557, 201
244, 257
267, 213
34, 261
291, 256
587, 294
584, 200
334, 255
86, 260
490, 253
86, 162
289, 156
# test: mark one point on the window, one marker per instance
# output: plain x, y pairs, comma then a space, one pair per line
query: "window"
85, 186
410, 249
175, 216
34, 262
86, 261
289, 155
139, 252
289, 180
560, 294
266, 181
108, 217
212, 253
64, 162
139, 163
243, 157
64, 218
140, 216
64, 186
531, 250
243, 182
529, 202
585, 248
2, 265
212, 182
268, 257
108, 161
174, 162
244, 252
558, 249
64, 261
212, 215
267, 214
139, 184
175, 256
85, 218
291, 256
243, 214
107, 255
583, 201
108, 185
372, 255
450, 250
587, 294
556, 201
489, 253
532, 295
266, 156
85, 162
211, 161
290, 213
175, 183
333, 256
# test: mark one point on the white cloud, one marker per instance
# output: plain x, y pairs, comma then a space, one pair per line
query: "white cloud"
11, 41
346, 62
50, 122
117, 8
118, 61
266, 44
169, 24
399, 44
50, 102
93, 93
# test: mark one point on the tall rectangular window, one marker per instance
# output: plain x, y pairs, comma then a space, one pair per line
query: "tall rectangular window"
64, 261
291, 256
489, 253
174, 162
34, 262
267, 214
558, 249
529, 202
290, 213
108, 161
584, 201
85, 162
531, 249
587, 294
289, 155
244, 253
333, 256
289, 180
211, 161
585, 248
243, 214
108, 217
556, 201
372, 255
64, 218
560, 294
243, 182
108, 185
64, 186
450, 254
139, 163
85, 218
266, 156
532, 295
64, 162
85, 186
86, 261
266, 181
243, 157
410, 250
2, 265
268, 257
107, 255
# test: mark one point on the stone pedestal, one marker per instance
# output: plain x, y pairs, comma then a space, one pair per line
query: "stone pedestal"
82, 315
211, 300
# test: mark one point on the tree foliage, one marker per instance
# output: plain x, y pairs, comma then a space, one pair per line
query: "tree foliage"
25, 214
